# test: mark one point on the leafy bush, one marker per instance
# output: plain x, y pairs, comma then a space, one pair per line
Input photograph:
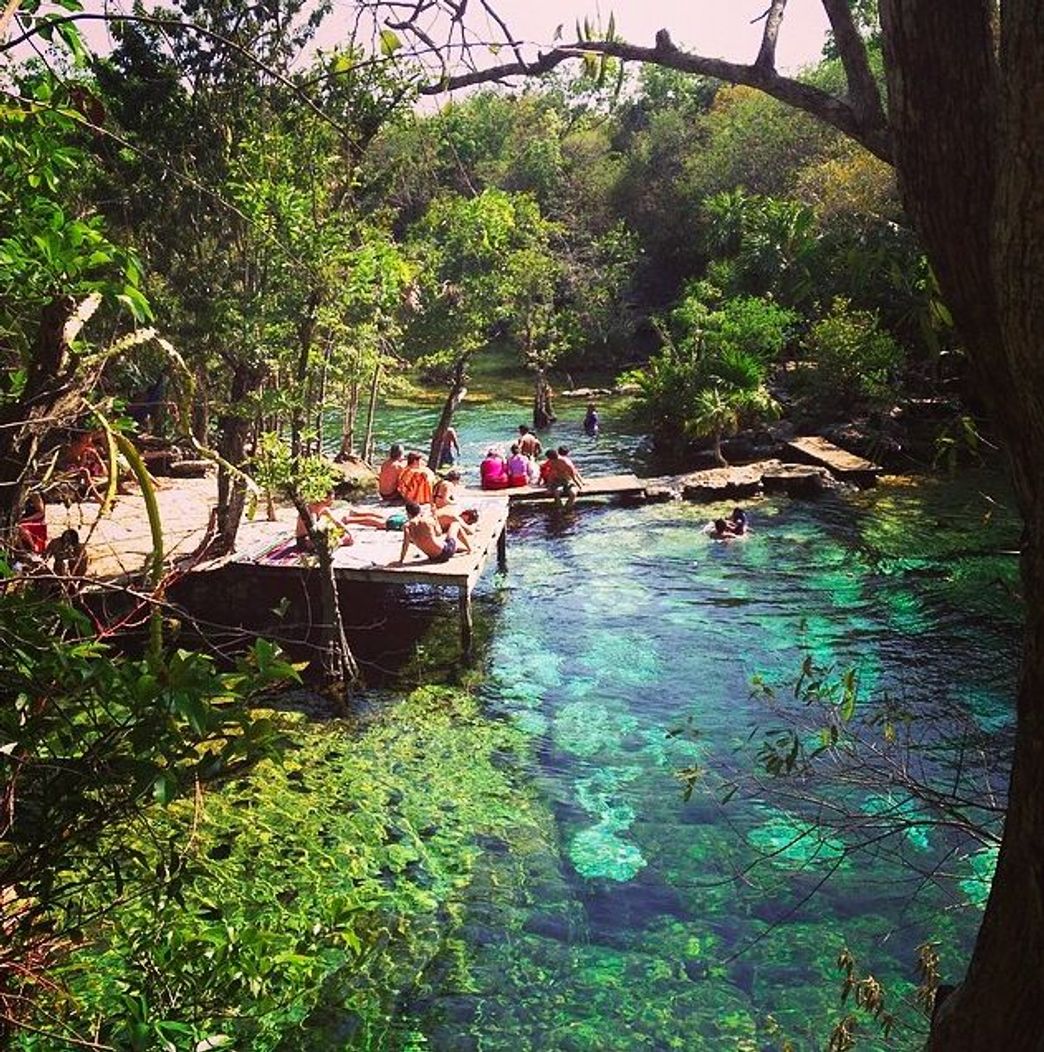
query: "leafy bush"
849, 359
89, 742
709, 378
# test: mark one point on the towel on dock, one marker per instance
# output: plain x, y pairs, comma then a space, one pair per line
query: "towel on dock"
281, 553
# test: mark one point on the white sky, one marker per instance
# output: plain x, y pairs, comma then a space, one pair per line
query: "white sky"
717, 28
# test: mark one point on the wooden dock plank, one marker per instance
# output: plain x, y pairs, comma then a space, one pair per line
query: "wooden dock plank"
607, 486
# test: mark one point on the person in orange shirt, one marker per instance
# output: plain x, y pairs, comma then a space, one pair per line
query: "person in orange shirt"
416, 480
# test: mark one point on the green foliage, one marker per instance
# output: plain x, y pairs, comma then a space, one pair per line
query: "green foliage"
849, 359
771, 245
320, 889
487, 262
753, 141
710, 375
89, 742
311, 477
52, 242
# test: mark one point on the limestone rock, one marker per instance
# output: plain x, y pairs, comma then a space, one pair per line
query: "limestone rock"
797, 480
724, 483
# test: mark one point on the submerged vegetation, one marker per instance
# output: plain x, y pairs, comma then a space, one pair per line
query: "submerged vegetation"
312, 894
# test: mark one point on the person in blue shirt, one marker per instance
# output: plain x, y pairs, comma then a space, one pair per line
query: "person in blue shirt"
591, 420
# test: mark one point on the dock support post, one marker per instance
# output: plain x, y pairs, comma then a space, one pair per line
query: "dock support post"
464, 602
502, 549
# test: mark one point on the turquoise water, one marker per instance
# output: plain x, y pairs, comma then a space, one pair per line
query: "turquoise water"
625, 643
481, 425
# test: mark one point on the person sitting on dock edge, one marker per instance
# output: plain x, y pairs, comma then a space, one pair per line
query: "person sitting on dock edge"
423, 532
493, 470
388, 476
518, 465
563, 454
445, 490
563, 480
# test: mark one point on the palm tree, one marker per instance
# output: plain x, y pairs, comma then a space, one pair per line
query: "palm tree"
735, 392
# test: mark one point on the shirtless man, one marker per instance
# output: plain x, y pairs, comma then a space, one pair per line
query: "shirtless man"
424, 532
563, 480
528, 443
391, 469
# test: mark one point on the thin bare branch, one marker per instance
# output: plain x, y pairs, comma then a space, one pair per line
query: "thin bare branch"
873, 135
508, 36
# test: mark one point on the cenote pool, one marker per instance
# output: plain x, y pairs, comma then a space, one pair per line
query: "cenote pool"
609, 909
574, 847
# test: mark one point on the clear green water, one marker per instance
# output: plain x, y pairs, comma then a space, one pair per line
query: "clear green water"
645, 921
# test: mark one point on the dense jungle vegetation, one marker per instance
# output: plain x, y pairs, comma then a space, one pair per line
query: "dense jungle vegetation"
267, 237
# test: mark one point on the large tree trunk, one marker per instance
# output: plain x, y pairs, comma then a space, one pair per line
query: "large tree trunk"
454, 397
969, 140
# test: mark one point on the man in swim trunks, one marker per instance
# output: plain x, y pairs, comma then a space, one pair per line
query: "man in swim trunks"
424, 532
528, 443
563, 480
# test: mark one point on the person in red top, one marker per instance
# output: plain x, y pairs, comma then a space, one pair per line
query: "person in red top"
416, 480
545, 465
32, 526
563, 480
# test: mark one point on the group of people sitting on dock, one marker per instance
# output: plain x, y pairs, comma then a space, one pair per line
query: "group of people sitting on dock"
522, 467
427, 513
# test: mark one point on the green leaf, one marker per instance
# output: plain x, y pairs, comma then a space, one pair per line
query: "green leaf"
848, 699
165, 788
390, 43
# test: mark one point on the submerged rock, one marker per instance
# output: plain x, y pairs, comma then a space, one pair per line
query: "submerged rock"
600, 852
